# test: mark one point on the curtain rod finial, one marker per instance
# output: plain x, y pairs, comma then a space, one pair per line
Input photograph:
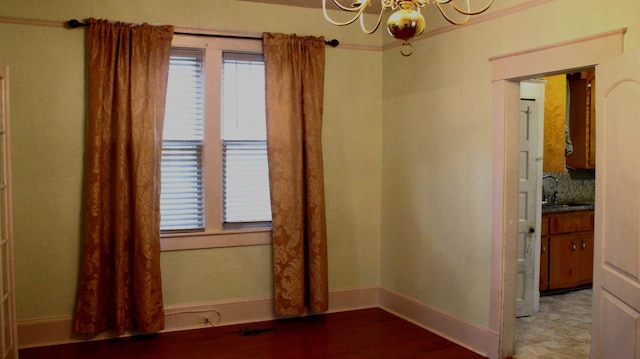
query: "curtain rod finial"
332, 43
73, 23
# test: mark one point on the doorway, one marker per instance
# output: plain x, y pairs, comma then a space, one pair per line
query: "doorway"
507, 70
559, 322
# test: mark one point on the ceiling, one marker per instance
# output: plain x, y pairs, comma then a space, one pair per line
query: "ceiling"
373, 8
301, 3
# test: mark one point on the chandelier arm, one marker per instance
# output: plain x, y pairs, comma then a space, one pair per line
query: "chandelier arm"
377, 23
388, 4
469, 12
444, 14
350, 8
359, 9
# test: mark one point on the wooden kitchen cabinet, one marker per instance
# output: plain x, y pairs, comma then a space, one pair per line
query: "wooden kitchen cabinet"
570, 222
582, 120
568, 259
568, 255
584, 264
544, 254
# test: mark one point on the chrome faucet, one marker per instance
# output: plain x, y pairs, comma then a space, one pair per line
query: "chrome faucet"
554, 196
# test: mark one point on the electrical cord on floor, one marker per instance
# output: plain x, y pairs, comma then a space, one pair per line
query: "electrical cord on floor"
207, 321
252, 332
246, 332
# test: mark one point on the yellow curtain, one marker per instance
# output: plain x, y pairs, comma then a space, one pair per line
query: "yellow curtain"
120, 283
294, 68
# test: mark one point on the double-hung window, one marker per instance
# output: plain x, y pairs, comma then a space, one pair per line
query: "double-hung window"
214, 181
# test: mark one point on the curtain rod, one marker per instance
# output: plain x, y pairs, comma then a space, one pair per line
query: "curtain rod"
76, 24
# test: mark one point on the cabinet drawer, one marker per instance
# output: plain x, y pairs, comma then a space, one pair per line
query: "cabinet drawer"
568, 222
544, 230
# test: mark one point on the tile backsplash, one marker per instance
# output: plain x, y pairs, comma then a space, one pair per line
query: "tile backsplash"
577, 186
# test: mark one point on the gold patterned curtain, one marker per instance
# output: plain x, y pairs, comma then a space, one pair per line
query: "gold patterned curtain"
294, 68
120, 283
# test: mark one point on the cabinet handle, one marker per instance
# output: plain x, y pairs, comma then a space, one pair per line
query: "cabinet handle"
544, 249
573, 246
584, 245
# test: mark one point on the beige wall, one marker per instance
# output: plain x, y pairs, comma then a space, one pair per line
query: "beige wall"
48, 123
437, 147
408, 169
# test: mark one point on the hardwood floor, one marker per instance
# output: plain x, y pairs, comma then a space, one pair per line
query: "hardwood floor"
367, 333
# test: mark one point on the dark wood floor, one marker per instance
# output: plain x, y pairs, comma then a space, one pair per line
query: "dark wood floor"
368, 333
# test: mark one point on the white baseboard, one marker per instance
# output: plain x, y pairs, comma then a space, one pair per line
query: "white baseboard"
467, 334
50, 331
58, 330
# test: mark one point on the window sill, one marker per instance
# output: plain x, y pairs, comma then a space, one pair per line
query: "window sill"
235, 238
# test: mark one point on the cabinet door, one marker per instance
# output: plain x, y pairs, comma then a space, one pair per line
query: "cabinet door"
544, 252
582, 120
563, 253
584, 264
591, 117
544, 263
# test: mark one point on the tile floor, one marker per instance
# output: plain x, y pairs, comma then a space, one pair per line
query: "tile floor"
560, 330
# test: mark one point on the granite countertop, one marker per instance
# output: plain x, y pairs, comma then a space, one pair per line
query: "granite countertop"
566, 207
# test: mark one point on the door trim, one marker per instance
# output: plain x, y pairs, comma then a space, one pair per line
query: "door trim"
507, 71
9, 350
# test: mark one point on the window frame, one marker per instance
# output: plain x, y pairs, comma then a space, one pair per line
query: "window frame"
214, 235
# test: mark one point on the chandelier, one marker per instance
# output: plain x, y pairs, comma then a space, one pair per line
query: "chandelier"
405, 22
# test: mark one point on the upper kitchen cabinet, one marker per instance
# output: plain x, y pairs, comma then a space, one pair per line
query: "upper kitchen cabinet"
582, 120
555, 114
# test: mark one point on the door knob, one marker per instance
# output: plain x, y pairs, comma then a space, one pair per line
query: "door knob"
532, 230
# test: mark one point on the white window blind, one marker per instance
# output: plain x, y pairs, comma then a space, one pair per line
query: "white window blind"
246, 182
192, 147
245, 167
182, 190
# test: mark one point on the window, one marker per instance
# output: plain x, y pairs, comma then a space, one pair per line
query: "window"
244, 136
215, 185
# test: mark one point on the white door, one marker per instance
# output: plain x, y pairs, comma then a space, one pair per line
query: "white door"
527, 207
616, 287
8, 342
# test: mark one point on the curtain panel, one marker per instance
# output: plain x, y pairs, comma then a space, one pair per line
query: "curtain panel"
120, 282
294, 70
